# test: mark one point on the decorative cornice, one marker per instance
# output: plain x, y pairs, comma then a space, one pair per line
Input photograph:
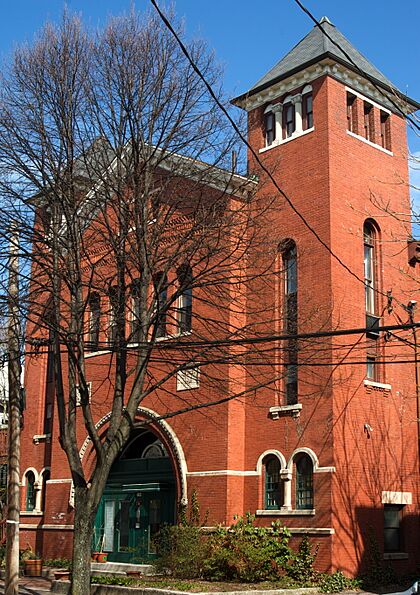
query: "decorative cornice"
315, 71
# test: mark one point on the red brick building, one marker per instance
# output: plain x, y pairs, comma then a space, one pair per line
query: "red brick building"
331, 446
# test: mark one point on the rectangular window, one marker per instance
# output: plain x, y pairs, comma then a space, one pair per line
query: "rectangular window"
385, 131
161, 289
371, 368
289, 119
94, 320
392, 528
270, 130
113, 315
351, 113
368, 122
291, 380
308, 117
135, 311
188, 379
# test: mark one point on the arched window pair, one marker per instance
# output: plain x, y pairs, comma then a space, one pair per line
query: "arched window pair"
32, 500
274, 493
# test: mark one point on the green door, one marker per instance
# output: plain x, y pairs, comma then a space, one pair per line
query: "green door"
139, 497
130, 522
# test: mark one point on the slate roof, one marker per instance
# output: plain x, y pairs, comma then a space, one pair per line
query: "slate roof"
316, 46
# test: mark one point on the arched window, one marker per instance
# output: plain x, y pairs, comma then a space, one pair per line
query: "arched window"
45, 478
307, 111
369, 240
272, 490
304, 483
30, 491
184, 274
290, 321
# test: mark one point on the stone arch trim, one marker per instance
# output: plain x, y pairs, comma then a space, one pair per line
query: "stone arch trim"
266, 453
34, 471
171, 438
315, 462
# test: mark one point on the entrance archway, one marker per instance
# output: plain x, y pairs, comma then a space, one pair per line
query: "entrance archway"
138, 498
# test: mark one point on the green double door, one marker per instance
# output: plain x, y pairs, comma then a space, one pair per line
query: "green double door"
131, 521
138, 499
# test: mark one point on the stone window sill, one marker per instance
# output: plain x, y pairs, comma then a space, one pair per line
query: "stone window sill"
31, 513
377, 387
395, 556
41, 438
283, 141
284, 512
370, 143
283, 410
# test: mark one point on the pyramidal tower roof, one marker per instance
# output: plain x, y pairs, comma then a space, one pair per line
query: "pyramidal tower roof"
315, 46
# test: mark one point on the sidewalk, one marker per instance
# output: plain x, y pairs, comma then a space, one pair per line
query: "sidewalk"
31, 585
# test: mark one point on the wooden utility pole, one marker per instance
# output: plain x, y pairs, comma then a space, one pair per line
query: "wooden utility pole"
13, 475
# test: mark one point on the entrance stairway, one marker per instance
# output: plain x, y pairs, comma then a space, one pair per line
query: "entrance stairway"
121, 569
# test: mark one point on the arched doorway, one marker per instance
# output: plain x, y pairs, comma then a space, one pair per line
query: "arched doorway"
138, 498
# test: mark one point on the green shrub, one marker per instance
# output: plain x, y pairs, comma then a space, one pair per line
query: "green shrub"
181, 550
301, 568
337, 582
248, 553
58, 563
377, 573
103, 579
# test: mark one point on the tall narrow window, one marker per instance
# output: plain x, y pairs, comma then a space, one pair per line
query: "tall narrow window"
371, 368
270, 128
291, 320
113, 315
161, 289
45, 478
184, 274
369, 268
385, 131
392, 528
135, 310
304, 483
289, 123
94, 320
30, 491
351, 113
272, 484
368, 122
307, 115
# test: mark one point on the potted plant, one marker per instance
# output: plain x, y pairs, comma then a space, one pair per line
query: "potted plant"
98, 555
32, 563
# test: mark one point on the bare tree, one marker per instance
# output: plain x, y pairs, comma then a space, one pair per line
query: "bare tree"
116, 165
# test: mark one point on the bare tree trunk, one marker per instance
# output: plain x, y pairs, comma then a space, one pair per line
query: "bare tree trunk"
84, 519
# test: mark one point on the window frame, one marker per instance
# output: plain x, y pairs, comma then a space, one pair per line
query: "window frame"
30, 492
289, 123
94, 303
351, 112
304, 483
370, 267
385, 122
307, 114
161, 297
269, 131
393, 528
290, 315
185, 299
272, 485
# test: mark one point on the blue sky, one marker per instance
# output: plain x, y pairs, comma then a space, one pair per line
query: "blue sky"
249, 37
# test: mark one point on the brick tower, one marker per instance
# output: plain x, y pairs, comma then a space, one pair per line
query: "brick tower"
330, 129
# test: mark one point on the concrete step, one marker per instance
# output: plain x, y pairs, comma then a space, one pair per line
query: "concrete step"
121, 569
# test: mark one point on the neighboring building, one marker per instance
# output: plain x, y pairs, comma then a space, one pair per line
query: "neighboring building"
332, 452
